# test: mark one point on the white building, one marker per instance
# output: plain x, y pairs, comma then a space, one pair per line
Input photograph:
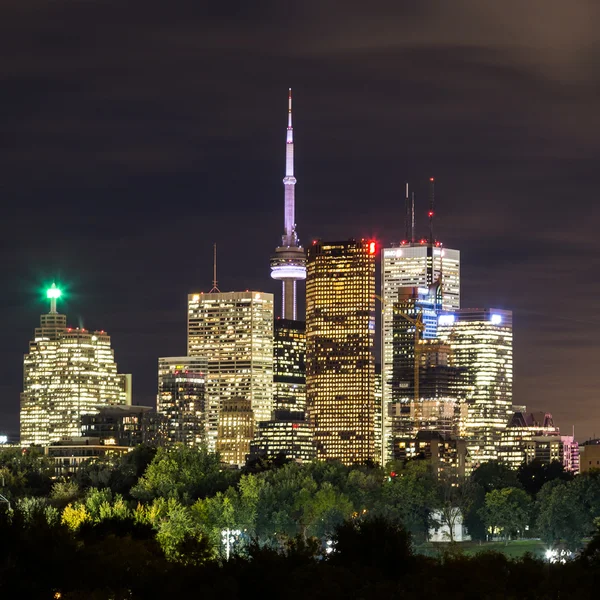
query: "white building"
234, 332
67, 373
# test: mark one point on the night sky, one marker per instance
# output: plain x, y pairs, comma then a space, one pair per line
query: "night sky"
133, 135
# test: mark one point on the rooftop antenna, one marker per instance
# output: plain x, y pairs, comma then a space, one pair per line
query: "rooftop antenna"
430, 265
412, 216
53, 293
407, 216
215, 287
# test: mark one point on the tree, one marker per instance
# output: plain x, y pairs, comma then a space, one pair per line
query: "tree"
506, 512
561, 514
183, 473
533, 475
454, 499
494, 475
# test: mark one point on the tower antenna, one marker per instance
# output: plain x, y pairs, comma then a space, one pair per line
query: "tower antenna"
430, 213
215, 287
407, 216
412, 219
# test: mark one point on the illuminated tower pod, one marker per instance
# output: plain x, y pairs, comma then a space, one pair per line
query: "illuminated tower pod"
481, 341
182, 398
340, 331
67, 373
234, 331
288, 265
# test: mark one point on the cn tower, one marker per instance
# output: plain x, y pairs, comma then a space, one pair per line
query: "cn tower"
289, 261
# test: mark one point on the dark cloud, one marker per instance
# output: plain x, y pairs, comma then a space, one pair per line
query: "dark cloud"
133, 135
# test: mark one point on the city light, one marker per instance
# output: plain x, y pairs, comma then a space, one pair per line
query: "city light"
446, 320
53, 292
496, 319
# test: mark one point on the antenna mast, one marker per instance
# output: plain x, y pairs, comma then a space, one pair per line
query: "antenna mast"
412, 219
215, 287
407, 216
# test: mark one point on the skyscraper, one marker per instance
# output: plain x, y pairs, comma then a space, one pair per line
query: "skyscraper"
421, 383
234, 332
289, 368
481, 342
68, 372
288, 265
340, 330
414, 263
182, 398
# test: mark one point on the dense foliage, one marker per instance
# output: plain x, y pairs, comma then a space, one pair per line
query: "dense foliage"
168, 521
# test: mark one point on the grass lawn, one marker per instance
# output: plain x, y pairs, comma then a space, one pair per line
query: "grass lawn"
514, 549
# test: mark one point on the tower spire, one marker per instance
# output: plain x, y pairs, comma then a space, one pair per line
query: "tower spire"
53, 293
289, 182
215, 287
289, 262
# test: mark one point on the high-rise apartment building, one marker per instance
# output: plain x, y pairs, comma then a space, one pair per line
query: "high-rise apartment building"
340, 330
67, 373
182, 398
481, 341
234, 332
417, 266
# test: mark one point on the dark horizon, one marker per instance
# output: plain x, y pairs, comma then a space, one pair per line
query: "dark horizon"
135, 138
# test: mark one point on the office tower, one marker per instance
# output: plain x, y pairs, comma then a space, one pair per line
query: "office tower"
234, 332
67, 373
288, 434
481, 344
122, 425
235, 431
523, 426
182, 398
414, 263
340, 329
378, 417
288, 265
289, 368
421, 382
589, 455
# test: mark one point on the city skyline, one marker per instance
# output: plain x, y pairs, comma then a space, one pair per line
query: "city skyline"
106, 191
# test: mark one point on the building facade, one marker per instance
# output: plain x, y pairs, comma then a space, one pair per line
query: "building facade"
67, 373
340, 330
481, 341
289, 365
417, 266
182, 398
124, 425
236, 431
521, 427
287, 434
234, 331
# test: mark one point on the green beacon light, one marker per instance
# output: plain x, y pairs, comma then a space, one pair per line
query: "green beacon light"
53, 293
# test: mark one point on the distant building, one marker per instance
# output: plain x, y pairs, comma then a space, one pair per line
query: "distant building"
289, 365
589, 456
287, 434
67, 373
68, 454
236, 431
234, 332
447, 455
521, 427
124, 425
182, 398
340, 333
412, 264
481, 342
